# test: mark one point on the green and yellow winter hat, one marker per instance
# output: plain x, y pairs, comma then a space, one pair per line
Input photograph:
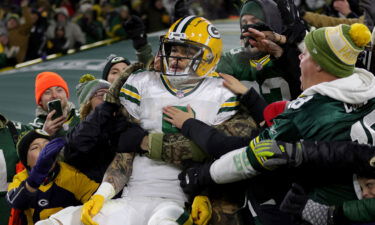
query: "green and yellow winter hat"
336, 49
87, 87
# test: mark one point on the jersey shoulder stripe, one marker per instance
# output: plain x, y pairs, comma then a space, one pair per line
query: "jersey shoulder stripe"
231, 104
131, 94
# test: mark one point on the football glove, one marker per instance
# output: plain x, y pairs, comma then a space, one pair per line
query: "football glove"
201, 210
194, 179
271, 154
91, 208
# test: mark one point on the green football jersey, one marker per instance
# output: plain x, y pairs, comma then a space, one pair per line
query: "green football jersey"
322, 118
8, 161
263, 75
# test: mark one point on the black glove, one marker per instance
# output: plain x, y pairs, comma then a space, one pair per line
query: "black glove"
130, 140
136, 31
294, 27
181, 9
297, 203
294, 201
194, 179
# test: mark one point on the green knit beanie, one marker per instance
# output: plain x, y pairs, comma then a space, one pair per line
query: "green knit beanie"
87, 87
336, 49
252, 8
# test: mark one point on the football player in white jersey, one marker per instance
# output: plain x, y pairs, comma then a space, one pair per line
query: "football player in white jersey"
190, 52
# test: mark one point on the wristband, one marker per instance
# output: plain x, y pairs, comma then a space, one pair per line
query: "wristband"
106, 190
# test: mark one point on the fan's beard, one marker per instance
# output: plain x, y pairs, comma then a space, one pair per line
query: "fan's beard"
252, 53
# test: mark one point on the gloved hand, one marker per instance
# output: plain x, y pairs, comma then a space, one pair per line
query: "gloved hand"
45, 161
130, 140
294, 201
271, 154
295, 27
181, 9
91, 208
297, 203
194, 179
136, 31
201, 210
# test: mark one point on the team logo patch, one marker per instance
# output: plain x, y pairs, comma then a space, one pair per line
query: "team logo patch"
213, 32
43, 202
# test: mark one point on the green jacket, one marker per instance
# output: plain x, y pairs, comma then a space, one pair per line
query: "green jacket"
268, 76
72, 121
8, 160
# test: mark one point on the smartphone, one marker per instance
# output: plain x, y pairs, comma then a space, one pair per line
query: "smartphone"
55, 105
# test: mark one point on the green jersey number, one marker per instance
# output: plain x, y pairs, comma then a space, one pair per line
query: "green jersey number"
363, 131
268, 85
3, 172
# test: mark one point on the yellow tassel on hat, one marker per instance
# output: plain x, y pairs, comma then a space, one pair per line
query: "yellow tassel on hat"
86, 77
360, 34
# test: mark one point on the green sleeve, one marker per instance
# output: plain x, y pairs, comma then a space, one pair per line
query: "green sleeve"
360, 210
225, 64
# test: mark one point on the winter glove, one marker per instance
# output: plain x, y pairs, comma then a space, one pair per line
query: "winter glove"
315, 213
201, 210
130, 140
136, 31
294, 201
45, 162
181, 9
271, 154
295, 28
91, 208
194, 179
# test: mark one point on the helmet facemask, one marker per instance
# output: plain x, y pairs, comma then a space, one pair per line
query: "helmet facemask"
181, 59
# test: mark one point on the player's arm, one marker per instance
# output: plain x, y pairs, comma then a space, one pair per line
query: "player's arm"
268, 155
115, 178
206, 140
119, 171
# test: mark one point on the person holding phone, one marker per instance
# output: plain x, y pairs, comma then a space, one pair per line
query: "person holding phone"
54, 113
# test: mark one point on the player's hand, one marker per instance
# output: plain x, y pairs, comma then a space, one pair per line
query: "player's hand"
91, 208
201, 210
233, 84
176, 116
194, 179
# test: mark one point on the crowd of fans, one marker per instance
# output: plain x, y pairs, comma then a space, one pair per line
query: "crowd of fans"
32, 29
276, 131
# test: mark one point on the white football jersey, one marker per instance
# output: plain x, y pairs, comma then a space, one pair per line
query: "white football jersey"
144, 95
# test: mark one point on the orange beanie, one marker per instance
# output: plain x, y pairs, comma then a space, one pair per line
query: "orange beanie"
45, 80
